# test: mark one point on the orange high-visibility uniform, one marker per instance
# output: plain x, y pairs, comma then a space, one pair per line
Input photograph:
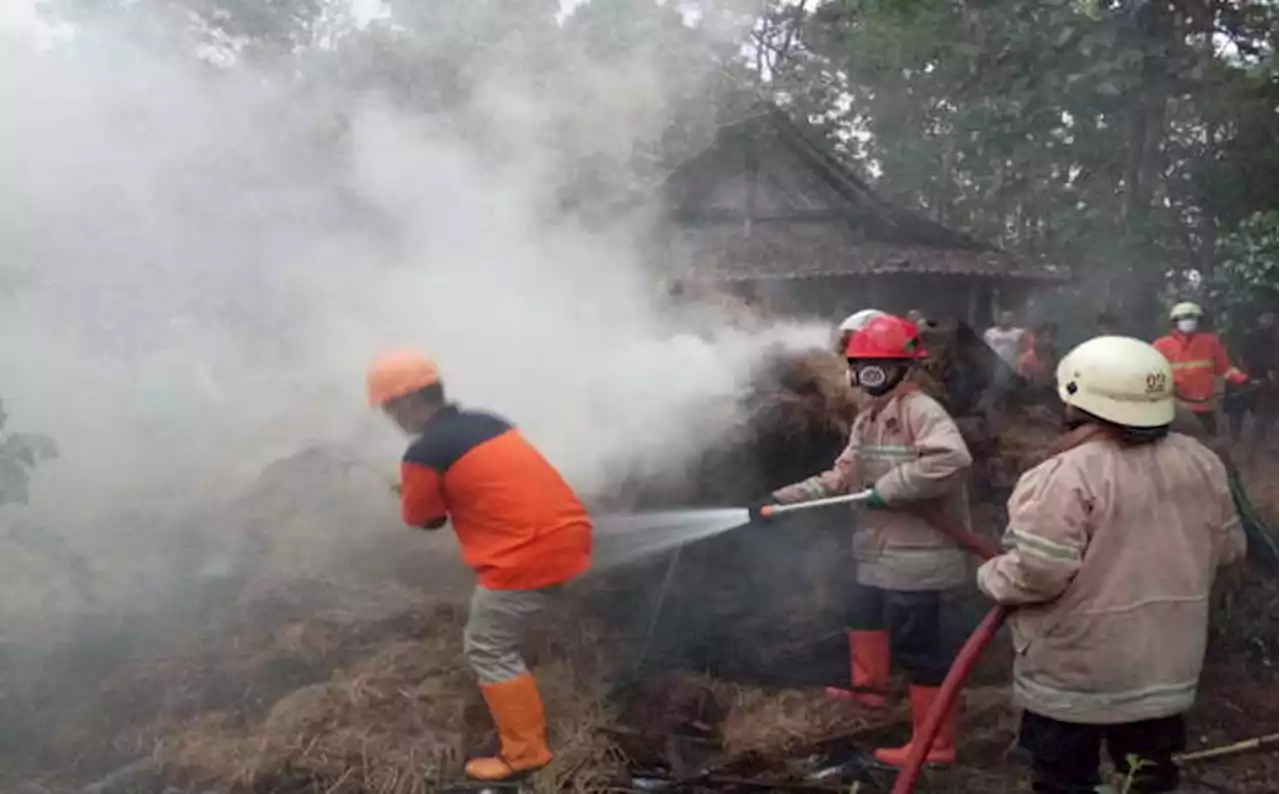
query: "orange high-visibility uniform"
1198, 360
520, 525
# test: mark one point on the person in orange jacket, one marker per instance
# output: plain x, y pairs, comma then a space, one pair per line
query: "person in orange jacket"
1199, 359
520, 526
1039, 355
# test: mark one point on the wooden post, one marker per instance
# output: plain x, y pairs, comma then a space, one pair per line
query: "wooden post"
753, 180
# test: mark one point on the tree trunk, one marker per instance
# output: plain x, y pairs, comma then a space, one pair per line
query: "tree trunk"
942, 191
1156, 31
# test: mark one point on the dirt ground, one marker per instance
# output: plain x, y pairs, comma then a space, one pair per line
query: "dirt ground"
349, 679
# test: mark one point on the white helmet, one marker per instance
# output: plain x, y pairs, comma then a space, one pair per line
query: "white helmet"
1119, 379
854, 322
1185, 309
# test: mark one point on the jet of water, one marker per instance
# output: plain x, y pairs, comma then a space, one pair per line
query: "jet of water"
620, 539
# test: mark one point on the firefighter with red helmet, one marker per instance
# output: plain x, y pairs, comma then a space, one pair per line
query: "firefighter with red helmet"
906, 448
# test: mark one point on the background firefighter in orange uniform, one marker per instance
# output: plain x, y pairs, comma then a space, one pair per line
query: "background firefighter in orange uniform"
1199, 358
520, 527
905, 447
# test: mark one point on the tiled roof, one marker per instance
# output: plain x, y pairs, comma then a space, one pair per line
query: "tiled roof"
858, 233
731, 252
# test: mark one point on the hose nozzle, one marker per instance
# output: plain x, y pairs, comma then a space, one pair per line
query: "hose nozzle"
770, 511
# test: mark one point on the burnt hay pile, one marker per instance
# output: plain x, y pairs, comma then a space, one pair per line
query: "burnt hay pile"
346, 675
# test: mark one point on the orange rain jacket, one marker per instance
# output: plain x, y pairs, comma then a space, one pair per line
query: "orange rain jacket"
1198, 360
519, 523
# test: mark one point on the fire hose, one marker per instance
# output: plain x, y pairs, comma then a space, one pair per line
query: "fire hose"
965, 659
964, 662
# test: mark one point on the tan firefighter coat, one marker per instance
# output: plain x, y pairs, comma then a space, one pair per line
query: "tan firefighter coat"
906, 446
1112, 552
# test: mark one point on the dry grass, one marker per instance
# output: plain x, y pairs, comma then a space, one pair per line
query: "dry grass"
390, 723
398, 713
325, 675
804, 394
774, 723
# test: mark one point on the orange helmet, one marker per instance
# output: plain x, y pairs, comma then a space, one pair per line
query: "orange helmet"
396, 373
886, 336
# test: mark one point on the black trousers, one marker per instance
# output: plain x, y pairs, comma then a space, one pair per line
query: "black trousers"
913, 620
1065, 755
1209, 420
1257, 400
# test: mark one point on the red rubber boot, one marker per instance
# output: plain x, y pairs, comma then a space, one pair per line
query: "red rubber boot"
868, 669
943, 750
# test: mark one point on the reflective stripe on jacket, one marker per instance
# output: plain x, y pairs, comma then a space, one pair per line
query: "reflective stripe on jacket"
1112, 553
1198, 360
907, 447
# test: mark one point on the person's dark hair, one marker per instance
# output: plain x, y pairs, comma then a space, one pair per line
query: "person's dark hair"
432, 395
1127, 436
429, 396
1139, 436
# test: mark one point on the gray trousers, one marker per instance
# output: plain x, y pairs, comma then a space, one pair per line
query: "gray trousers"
496, 628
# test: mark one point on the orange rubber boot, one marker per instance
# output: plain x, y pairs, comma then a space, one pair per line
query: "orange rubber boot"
868, 669
522, 728
943, 750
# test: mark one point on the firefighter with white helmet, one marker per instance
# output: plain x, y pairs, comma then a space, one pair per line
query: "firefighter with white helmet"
1113, 545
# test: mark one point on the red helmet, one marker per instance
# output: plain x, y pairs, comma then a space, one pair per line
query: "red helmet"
886, 337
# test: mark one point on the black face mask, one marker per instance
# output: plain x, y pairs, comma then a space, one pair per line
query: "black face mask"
875, 379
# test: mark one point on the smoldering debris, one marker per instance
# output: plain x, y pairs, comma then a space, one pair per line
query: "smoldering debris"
201, 252
349, 675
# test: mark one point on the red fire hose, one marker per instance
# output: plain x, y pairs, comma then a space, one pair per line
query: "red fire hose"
981, 637
969, 652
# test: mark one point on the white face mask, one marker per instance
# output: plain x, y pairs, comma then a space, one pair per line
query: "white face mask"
1187, 325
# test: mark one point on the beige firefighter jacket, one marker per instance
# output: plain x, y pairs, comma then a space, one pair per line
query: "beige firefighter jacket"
1112, 552
906, 446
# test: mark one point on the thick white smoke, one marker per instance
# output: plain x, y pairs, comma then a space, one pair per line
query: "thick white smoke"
191, 265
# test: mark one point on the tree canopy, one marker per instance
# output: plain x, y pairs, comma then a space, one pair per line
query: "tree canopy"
1134, 140
1126, 138
20, 453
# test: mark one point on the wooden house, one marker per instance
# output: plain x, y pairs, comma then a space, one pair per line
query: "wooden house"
768, 213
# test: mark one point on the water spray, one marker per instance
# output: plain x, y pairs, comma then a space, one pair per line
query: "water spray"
630, 536
625, 538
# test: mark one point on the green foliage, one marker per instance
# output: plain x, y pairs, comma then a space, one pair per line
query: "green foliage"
20, 453
1124, 139
252, 29
1136, 764
1120, 138
1246, 281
